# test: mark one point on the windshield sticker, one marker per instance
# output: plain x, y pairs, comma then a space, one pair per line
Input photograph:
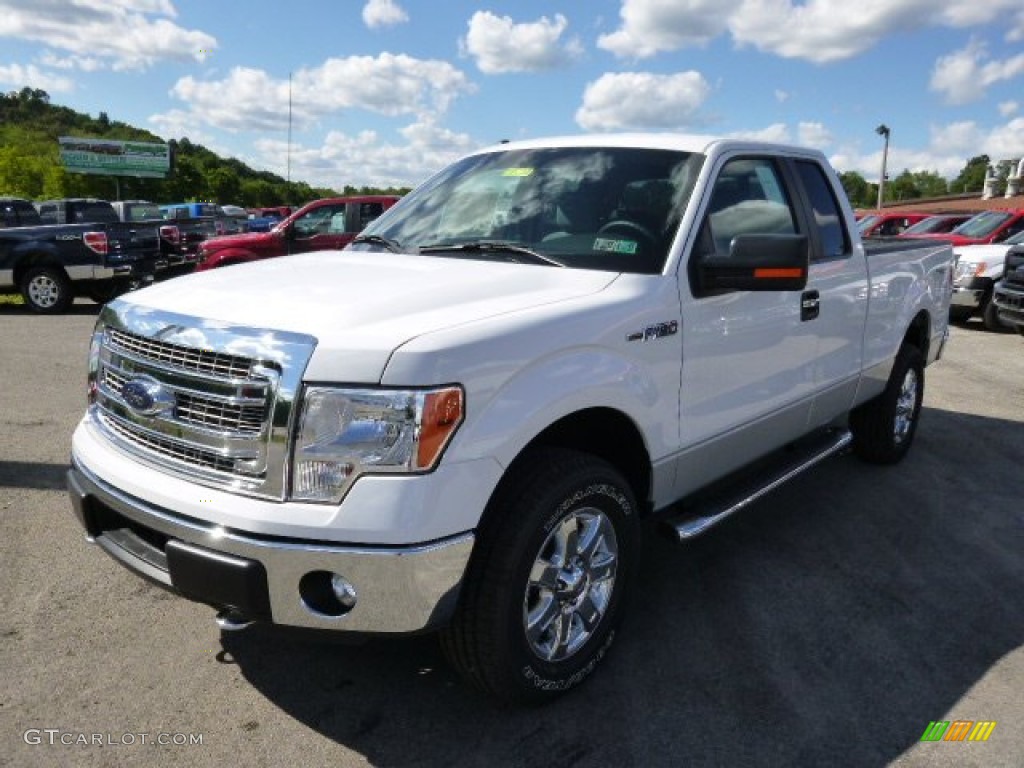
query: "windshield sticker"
517, 172
615, 246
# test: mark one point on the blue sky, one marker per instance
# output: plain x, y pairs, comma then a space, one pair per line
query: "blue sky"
387, 91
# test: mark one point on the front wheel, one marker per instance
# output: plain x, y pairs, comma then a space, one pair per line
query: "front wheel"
544, 591
884, 428
990, 318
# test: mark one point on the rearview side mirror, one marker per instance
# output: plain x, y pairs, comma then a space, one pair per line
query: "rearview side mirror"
756, 263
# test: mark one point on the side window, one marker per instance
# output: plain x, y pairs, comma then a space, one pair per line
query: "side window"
368, 212
834, 239
321, 221
748, 199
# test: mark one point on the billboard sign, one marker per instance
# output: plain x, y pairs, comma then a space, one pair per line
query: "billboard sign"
114, 158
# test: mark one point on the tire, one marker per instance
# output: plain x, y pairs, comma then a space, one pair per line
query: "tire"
544, 591
107, 291
990, 318
884, 428
960, 314
46, 290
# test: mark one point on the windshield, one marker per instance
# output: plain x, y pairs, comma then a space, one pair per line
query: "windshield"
982, 225
933, 225
866, 223
582, 207
90, 213
142, 211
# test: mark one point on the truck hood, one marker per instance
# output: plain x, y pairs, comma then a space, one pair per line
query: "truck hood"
248, 240
979, 253
362, 305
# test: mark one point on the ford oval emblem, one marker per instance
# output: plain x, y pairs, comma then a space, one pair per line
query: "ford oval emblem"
146, 396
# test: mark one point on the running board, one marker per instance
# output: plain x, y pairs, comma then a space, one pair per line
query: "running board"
705, 515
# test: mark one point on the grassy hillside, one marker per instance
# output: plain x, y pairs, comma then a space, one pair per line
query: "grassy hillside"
30, 164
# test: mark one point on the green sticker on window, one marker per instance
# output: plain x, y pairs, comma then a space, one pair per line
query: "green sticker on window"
517, 172
614, 246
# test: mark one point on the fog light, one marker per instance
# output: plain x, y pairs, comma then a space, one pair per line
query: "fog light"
327, 594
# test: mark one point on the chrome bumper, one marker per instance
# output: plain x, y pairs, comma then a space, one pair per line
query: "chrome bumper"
397, 590
966, 297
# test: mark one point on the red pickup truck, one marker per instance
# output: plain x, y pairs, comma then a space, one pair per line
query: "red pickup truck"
322, 225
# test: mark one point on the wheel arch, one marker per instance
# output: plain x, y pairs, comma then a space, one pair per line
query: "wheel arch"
919, 333
604, 432
33, 259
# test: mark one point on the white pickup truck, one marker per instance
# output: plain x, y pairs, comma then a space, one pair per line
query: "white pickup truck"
977, 268
459, 422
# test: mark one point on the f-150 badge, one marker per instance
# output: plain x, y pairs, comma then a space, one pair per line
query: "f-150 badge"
657, 331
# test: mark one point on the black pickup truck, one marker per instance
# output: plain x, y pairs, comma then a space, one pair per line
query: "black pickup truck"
73, 247
1008, 295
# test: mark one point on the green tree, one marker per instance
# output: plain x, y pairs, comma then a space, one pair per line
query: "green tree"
857, 189
972, 177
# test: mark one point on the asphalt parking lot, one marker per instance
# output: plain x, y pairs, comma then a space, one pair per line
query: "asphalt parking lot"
828, 625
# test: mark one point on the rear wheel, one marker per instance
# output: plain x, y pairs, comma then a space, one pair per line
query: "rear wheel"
883, 428
46, 290
544, 591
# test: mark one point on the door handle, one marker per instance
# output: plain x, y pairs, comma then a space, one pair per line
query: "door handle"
810, 305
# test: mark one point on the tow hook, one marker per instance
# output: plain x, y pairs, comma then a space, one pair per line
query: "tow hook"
230, 621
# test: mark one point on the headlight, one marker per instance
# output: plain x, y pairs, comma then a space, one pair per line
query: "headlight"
344, 433
965, 270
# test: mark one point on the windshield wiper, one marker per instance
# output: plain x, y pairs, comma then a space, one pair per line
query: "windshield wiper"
392, 245
509, 250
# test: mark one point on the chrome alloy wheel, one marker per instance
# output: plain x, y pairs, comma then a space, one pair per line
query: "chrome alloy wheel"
906, 403
571, 584
44, 291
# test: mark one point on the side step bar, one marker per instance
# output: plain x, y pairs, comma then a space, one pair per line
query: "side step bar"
708, 513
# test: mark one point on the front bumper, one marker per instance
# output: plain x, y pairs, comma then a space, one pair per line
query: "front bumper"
398, 589
1009, 306
972, 293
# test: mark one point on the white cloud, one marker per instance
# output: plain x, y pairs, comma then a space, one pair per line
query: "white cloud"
782, 96
124, 34
19, 77
499, 45
815, 30
963, 75
643, 101
81, 63
1007, 108
651, 26
388, 84
948, 151
777, 133
365, 159
813, 135
383, 13
1007, 141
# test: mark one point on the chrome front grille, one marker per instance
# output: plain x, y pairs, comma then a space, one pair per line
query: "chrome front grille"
172, 449
197, 398
199, 360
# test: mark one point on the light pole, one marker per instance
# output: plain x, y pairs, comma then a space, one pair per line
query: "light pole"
883, 130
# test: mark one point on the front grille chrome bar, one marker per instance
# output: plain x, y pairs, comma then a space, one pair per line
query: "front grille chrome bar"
196, 398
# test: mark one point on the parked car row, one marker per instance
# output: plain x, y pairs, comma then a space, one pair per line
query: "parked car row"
981, 243
53, 250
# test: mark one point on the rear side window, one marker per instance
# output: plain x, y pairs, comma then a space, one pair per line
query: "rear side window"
834, 239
